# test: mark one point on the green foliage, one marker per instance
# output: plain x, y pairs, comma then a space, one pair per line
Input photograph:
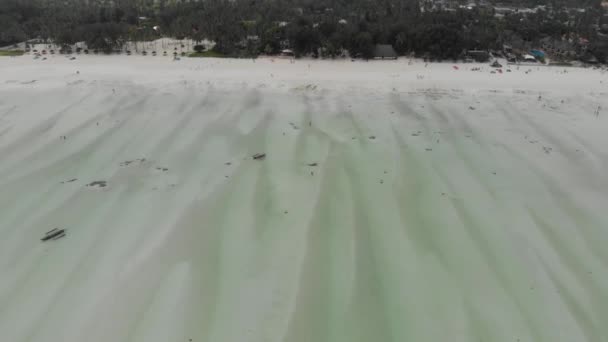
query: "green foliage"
364, 45
210, 53
304, 37
600, 51
105, 37
325, 27
11, 53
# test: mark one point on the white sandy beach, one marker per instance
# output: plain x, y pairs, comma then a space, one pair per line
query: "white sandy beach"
397, 201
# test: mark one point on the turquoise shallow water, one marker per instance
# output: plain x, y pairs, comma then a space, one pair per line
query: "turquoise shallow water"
374, 216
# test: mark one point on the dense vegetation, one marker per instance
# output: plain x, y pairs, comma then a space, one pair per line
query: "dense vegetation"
10, 53
309, 27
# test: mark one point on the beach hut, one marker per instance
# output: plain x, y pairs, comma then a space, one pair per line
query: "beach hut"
384, 51
287, 53
479, 55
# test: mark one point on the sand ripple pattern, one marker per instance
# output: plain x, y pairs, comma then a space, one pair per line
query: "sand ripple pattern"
375, 216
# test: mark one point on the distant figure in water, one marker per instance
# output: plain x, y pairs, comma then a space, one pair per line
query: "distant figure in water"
77, 72
113, 91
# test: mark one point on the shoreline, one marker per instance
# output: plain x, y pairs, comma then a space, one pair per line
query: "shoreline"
277, 73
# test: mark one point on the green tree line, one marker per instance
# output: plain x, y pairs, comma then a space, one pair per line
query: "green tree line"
319, 28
